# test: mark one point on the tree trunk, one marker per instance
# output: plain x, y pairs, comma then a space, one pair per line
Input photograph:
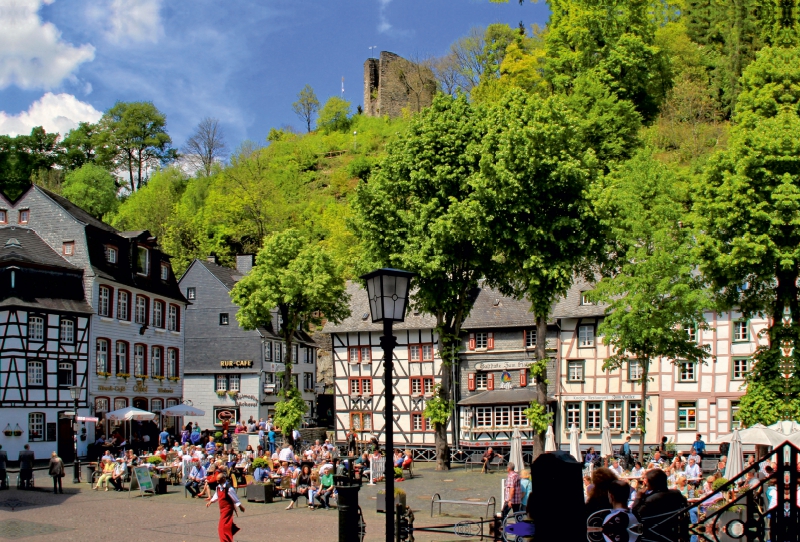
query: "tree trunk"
287, 355
440, 435
645, 364
541, 381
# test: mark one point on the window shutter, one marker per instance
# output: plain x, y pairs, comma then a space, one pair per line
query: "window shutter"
523, 377
490, 341
490, 381
471, 381
471, 341
524, 338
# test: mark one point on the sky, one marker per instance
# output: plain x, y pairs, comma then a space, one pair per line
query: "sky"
240, 61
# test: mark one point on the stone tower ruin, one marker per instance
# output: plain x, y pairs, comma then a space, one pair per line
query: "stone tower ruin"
392, 83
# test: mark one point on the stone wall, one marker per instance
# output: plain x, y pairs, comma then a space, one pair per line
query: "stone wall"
392, 83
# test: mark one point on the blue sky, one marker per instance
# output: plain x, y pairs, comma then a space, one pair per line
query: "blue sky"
241, 61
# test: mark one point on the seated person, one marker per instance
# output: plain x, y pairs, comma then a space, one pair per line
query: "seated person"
107, 473
326, 488
398, 459
488, 455
118, 476
620, 523
261, 474
197, 478
591, 456
407, 460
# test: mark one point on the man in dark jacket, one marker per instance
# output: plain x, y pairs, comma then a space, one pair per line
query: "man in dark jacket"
3, 461
657, 508
26, 459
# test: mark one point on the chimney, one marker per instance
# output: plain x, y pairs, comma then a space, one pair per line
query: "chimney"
211, 259
244, 263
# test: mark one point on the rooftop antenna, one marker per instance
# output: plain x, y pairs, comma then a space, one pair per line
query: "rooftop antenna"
372, 50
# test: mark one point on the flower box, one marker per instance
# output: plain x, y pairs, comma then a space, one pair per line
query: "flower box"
233, 393
123, 375
140, 377
173, 378
159, 378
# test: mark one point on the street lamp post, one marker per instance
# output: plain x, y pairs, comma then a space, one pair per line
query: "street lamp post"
75, 393
387, 290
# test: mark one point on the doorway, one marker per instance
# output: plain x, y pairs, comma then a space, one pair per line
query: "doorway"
66, 450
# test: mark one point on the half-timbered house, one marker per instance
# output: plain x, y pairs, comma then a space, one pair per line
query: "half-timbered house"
45, 323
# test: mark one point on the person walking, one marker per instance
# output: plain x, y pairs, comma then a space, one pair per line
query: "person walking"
626, 453
228, 501
513, 502
56, 470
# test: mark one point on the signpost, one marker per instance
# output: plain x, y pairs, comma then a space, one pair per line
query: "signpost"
143, 480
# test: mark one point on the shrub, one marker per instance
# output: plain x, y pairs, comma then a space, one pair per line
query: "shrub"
218, 435
154, 460
260, 462
398, 473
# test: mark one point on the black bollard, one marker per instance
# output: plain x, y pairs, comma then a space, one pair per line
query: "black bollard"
348, 487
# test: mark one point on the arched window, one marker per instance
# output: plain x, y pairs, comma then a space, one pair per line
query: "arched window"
156, 405
120, 402
173, 370
157, 367
122, 357
103, 365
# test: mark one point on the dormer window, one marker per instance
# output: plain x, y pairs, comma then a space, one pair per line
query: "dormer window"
585, 299
24, 216
111, 254
3, 216
142, 261
164, 271
68, 248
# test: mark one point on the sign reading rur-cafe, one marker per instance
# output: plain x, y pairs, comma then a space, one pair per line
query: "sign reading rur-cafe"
233, 364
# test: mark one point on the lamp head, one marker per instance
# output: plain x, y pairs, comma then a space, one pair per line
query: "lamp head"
388, 290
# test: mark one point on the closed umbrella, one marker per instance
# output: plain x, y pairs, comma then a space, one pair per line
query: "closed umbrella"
756, 434
516, 450
606, 450
735, 464
574, 447
549, 440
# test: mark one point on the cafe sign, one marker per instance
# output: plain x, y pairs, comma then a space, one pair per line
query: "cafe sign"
111, 388
232, 364
246, 400
502, 365
601, 397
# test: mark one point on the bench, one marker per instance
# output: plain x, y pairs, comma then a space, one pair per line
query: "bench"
410, 468
474, 459
709, 465
437, 499
496, 461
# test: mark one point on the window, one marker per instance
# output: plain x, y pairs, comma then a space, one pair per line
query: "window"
736, 423
68, 248
741, 366
111, 254
36, 328
3, 216
518, 417
24, 216
417, 422
174, 319
35, 373
295, 382
65, 374
594, 412
359, 386
294, 353
687, 416
191, 293
634, 370
740, 331
483, 416
687, 371
122, 357
575, 370
100, 405
223, 318
120, 402
35, 426
173, 369
158, 314
157, 405
156, 360
360, 354
222, 383
268, 351
481, 381
67, 331
102, 356
164, 271
361, 421
530, 338
502, 417
585, 299
139, 360
141, 310
573, 415
104, 302
414, 353
142, 260
308, 382
634, 414
585, 336
614, 416
422, 385
233, 382
427, 352
279, 352
481, 340
123, 305
691, 333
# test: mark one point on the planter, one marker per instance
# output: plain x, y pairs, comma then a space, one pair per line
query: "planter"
399, 498
17, 433
8, 433
260, 493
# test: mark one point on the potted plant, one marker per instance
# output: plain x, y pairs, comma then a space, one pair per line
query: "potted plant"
158, 377
399, 498
221, 393
154, 460
173, 378
103, 374
140, 377
218, 436
233, 393
126, 376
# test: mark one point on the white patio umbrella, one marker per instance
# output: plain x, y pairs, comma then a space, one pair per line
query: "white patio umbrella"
516, 450
735, 464
574, 447
549, 440
756, 434
130, 413
182, 410
606, 450
787, 427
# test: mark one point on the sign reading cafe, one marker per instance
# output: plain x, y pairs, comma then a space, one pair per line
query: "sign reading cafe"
230, 364
502, 365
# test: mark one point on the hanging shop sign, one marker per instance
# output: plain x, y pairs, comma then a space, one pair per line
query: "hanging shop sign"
232, 364
246, 400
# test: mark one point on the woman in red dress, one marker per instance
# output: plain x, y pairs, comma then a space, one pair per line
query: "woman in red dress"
228, 502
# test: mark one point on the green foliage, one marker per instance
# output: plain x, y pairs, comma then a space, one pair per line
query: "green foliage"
289, 411
218, 435
335, 115
306, 106
260, 463
360, 167
154, 460
23, 156
398, 473
718, 483
538, 417
438, 408
78, 147
91, 188
152, 207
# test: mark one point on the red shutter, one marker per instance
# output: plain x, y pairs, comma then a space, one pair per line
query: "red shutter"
490, 341
523, 377
471, 381
490, 381
471, 341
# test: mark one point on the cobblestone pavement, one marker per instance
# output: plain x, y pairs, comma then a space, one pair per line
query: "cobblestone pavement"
81, 514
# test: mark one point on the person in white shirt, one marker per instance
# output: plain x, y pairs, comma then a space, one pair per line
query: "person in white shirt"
286, 454
616, 467
225, 494
693, 472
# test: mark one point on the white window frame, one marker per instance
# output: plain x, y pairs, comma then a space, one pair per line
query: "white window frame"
222, 382
427, 352
120, 360
518, 417
735, 424
123, 306
234, 383
481, 381
172, 363
67, 331
573, 415
158, 313
35, 370
155, 361
614, 414
37, 422
308, 381
164, 272
691, 333
634, 414
101, 404
686, 420
530, 338
483, 416
139, 359
502, 416
481, 340
585, 298
268, 351
738, 372
576, 370
140, 310
687, 371
594, 416
111, 254
101, 355
66, 366
365, 354
120, 402
741, 331
142, 268
586, 336
36, 328
415, 352
172, 321
104, 301
191, 293
635, 370
156, 404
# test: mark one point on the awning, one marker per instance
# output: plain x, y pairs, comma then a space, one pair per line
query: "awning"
501, 397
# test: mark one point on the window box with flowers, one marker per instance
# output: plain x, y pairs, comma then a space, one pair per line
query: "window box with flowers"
173, 378
103, 374
158, 377
126, 376
140, 377
233, 393
221, 393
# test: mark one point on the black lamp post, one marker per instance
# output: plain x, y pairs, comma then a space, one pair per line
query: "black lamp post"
75, 393
388, 298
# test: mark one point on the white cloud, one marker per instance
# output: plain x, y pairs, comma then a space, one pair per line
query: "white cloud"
383, 23
55, 112
32, 53
134, 20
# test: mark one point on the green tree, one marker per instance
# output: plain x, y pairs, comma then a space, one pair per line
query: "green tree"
133, 137
418, 212
23, 156
535, 175
151, 207
91, 188
748, 215
335, 115
298, 279
649, 285
78, 147
306, 106
187, 231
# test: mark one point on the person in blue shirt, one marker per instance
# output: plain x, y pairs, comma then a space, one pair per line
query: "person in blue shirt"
261, 474
262, 441
163, 438
211, 448
699, 446
525, 486
196, 478
271, 439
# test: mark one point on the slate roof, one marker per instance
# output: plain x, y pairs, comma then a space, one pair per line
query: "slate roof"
77, 212
492, 309
570, 306
501, 397
227, 276
48, 303
23, 245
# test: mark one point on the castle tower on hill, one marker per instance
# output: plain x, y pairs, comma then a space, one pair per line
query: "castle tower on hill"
392, 83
